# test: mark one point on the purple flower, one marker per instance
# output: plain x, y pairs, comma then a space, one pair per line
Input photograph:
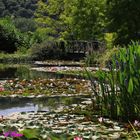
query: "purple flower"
12, 134
6, 134
117, 64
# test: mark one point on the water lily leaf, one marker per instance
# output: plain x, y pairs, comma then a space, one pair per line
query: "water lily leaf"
31, 133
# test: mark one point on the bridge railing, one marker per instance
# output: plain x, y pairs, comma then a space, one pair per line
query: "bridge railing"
83, 46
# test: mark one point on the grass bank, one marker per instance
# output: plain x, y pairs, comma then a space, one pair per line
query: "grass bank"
15, 58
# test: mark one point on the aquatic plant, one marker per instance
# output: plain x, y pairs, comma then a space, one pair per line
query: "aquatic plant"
78, 138
1, 89
10, 135
116, 92
134, 127
46, 86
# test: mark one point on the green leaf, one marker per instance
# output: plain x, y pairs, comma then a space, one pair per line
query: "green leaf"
130, 86
31, 133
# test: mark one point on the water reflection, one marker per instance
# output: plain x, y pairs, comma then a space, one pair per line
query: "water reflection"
7, 73
25, 72
11, 105
27, 108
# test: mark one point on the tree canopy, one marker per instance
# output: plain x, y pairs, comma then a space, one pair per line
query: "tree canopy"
18, 8
75, 19
72, 19
123, 18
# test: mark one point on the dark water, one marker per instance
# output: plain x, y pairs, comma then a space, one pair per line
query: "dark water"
25, 72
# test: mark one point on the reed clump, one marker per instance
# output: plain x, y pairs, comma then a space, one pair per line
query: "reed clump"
116, 92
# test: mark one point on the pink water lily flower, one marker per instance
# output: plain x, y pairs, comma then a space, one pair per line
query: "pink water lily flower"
1, 89
78, 138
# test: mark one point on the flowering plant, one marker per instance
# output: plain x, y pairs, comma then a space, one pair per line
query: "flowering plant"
11, 134
78, 138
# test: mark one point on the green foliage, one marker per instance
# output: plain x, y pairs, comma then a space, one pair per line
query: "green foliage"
104, 57
123, 18
92, 59
34, 134
17, 58
48, 18
117, 91
31, 133
75, 19
24, 24
46, 50
135, 131
85, 18
16, 8
101, 58
10, 37
109, 39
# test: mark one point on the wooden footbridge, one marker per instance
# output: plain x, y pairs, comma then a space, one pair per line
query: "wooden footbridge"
81, 47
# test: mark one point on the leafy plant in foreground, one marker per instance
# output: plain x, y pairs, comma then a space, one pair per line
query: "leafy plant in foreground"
117, 91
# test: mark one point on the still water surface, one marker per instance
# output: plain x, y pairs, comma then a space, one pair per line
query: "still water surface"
48, 104
25, 72
11, 105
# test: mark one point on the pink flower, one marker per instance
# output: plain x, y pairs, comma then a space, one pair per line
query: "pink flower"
1, 89
78, 138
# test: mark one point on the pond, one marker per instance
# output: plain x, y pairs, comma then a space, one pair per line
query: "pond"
10, 105
53, 104
26, 72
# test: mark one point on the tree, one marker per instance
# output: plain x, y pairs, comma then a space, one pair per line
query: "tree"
25, 24
2, 7
71, 19
18, 8
85, 18
25, 13
48, 18
123, 17
11, 39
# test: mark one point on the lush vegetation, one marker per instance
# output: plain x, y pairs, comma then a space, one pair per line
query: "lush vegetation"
11, 38
117, 91
44, 86
18, 8
105, 20
123, 20
34, 27
76, 20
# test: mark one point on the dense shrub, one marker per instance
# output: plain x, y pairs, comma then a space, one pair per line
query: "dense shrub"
11, 39
46, 50
18, 8
25, 25
92, 59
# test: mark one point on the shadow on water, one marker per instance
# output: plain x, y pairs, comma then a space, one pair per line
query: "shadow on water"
25, 72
